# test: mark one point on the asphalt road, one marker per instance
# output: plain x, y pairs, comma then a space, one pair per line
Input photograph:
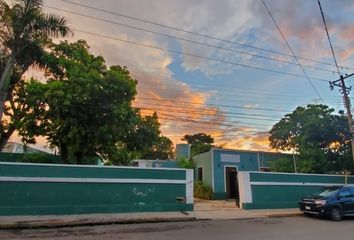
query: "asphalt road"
261, 229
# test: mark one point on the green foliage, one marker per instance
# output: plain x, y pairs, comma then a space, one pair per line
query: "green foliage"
321, 139
186, 163
122, 157
161, 149
203, 191
145, 138
38, 158
283, 164
85, 110
199, 142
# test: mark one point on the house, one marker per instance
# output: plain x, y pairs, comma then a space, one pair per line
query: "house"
218, 168
13, 147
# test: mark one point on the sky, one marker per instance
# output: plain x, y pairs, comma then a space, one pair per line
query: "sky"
220, 67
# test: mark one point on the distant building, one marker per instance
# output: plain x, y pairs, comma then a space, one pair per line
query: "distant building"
12, 147
183, 150
147, 163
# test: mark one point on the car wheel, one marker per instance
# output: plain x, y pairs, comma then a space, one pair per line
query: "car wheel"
335, 214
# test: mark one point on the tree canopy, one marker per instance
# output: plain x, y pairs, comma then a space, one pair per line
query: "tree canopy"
200, 142
85, 109
320, 138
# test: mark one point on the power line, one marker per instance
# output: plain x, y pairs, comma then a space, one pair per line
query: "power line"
218, 105
291, 50
191, 111
185, 39
195, 33
328, 37
195, 55
173, 117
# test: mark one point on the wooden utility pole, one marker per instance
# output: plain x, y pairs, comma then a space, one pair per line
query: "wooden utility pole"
345, 91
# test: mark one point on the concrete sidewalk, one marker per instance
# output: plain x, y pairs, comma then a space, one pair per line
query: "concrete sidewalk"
203, 210
227, 209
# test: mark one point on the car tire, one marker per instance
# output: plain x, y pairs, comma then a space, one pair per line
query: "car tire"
335, 214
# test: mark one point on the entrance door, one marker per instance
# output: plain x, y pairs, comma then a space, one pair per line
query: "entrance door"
232, 183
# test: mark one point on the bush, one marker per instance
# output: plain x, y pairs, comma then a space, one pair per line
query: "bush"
203, 191
39, 158
185, 163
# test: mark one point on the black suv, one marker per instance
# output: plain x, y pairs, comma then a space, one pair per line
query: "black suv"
333, 202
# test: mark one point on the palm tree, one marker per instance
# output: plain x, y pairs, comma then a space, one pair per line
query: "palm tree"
24, 31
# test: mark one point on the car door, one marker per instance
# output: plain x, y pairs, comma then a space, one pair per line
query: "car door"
344, 199
351, 201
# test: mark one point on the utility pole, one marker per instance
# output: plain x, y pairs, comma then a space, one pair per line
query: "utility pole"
345, 91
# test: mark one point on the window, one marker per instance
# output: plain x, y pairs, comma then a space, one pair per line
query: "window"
230, 158
200, 173
351, 189
344, 193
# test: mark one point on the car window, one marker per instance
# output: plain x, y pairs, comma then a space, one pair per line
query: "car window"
327, 191
351, 191
343, 193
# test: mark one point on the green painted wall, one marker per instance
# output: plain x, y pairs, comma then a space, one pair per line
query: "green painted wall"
273, 197
287, 196
43, 198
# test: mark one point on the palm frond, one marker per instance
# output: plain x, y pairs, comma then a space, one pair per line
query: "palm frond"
53, 26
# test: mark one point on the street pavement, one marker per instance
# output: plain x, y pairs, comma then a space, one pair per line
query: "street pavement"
288, 228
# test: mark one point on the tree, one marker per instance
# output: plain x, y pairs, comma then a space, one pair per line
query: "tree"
161, 149
199, 142
25, 31
321, 138
145, 138
84, 109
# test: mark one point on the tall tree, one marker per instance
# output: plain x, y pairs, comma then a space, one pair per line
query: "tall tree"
24, 32
199, 142
321, 138
84, 109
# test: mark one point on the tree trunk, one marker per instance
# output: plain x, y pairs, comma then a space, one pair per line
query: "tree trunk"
5, 82
63, 151
5, 136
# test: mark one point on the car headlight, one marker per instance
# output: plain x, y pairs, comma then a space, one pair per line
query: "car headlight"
320, 202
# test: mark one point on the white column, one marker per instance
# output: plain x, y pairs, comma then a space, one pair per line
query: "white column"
189, 186
244, 186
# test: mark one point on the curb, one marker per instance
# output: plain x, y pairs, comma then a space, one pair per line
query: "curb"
275, 215
280, 215
88, 222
